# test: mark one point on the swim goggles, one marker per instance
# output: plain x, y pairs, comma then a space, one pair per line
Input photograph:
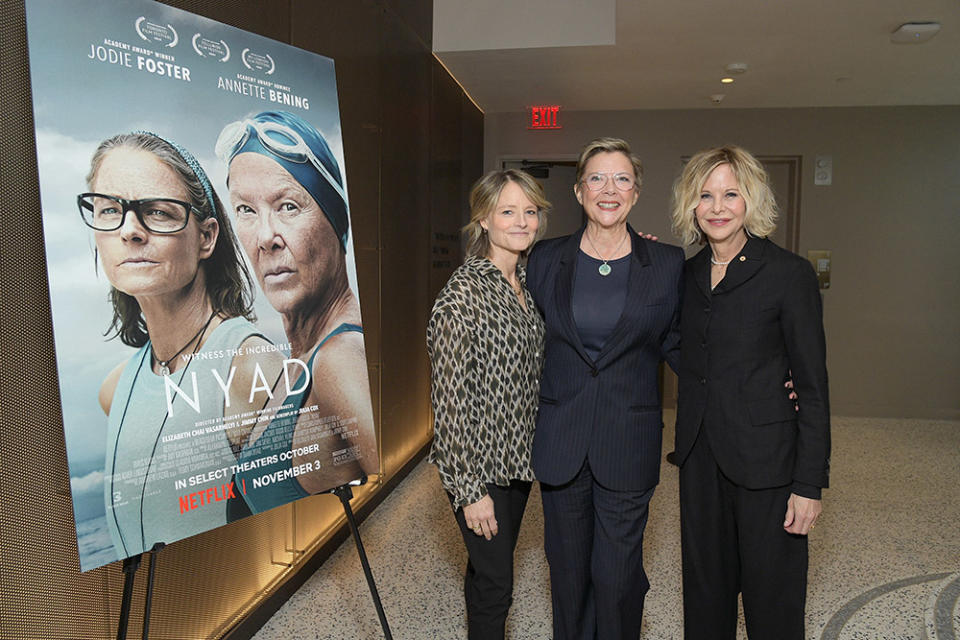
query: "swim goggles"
277, 138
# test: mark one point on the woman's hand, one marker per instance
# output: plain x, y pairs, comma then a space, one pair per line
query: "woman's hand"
802, 514
480, 518
788, 385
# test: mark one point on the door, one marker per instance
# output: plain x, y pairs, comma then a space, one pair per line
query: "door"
784, 174
557, 178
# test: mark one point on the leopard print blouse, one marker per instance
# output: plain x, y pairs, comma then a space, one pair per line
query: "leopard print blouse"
486, 355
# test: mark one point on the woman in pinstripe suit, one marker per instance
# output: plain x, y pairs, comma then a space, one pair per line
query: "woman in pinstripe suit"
610, 300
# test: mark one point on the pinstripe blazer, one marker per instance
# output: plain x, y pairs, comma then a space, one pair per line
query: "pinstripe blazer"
608, 409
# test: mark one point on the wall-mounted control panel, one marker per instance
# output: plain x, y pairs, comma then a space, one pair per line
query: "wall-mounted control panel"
823, 171
821, 264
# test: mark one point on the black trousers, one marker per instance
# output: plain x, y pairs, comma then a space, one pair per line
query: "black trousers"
733, 542
488, 583
593, 538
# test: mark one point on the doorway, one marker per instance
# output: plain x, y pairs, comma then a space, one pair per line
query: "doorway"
784, 174
557, 178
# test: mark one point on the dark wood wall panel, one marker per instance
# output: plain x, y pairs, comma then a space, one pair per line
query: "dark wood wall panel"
405, 184
471, 145
416, 16
270, 18
447, 166
413, 144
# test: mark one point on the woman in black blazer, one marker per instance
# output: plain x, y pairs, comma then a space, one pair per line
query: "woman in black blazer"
610, 300
751, 467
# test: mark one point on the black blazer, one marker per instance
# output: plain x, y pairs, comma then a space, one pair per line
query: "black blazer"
763, 319
608, 409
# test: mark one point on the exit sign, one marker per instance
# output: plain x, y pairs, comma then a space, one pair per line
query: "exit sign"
544, 117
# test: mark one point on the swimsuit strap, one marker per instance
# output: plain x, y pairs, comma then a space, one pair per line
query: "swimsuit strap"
343, 328
300, 397
280, 440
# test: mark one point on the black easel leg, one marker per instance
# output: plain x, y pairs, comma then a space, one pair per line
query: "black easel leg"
345, 493
157, 548
130, 566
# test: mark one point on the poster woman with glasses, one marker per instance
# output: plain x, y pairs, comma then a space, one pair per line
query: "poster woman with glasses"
292, 217
182, 296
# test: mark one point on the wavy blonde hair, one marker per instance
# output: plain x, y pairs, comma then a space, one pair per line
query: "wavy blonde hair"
761, 213
483, 198
609, 145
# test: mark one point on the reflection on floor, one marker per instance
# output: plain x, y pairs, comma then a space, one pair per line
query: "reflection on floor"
885, 557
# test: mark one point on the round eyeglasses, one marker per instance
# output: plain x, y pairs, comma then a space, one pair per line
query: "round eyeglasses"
159, 215
597, 181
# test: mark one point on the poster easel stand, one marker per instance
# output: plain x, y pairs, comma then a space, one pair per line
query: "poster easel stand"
344, 492
130, 566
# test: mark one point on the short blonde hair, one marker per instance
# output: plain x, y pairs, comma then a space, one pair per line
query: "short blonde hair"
761, 212
483, 198
609, 145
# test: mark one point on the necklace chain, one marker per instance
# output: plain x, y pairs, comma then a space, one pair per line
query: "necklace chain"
718, 263
156, 441
605, 268
164, 369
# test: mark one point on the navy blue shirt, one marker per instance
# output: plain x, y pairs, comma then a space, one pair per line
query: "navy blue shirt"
598, 300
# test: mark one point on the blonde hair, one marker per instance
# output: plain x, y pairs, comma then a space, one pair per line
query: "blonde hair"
483, 198
761, 208
609, 145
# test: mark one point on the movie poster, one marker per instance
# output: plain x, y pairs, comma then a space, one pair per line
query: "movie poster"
202, 282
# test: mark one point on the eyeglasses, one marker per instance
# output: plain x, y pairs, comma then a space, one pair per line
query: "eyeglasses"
158, 215
622, 181
277, 138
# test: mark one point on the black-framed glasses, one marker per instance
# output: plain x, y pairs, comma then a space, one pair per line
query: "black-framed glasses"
159, 215
597, 181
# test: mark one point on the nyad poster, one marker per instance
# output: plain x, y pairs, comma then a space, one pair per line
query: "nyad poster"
206, 318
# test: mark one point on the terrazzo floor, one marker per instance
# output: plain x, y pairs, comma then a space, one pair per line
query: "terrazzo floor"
884, 560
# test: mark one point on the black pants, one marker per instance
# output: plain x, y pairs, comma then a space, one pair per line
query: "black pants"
488, 583
733, 541
593, 538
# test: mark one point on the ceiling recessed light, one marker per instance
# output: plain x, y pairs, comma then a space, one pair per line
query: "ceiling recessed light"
736, 68
915, 32
726, 80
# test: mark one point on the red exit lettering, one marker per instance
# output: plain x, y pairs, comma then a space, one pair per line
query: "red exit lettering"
544, 117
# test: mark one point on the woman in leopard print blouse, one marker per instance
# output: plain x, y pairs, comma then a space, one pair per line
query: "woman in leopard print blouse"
485, 340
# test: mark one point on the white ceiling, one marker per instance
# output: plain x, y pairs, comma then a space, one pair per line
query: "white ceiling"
671, 54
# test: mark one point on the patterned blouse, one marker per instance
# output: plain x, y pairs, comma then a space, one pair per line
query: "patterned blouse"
486, 355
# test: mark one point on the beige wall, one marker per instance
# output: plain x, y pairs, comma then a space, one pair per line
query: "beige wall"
891, 219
